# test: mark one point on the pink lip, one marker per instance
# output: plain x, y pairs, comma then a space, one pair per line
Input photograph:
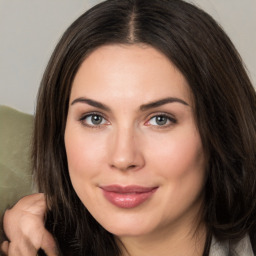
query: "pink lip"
127, 196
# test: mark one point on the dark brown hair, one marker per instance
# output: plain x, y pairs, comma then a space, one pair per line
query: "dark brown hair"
224, 100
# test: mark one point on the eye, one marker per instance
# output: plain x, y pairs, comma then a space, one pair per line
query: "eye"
161, 120
93, 120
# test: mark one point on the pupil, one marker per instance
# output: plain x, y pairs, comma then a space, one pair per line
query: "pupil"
96, 119
161, 120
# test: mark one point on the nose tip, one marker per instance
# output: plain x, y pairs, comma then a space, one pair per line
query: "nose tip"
126, 153
127, 158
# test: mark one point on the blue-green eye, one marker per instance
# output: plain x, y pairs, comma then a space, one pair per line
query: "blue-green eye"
93, 120
161, 120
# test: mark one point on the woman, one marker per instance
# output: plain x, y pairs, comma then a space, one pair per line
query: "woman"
144, 138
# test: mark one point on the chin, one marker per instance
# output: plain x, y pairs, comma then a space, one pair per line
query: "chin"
128, 227
124, 232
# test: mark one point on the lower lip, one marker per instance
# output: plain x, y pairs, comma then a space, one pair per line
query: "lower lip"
129, 200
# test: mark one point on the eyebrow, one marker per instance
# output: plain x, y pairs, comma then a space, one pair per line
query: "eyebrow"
91, 103
143, 107
161, 102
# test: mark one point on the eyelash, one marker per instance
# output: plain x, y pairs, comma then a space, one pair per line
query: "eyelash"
169, 118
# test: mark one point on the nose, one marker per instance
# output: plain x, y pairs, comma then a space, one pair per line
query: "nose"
125, 151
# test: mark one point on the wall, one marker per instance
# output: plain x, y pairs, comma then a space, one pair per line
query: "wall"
29, 30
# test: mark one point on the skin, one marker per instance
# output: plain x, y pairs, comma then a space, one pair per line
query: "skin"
24, 226
129, 147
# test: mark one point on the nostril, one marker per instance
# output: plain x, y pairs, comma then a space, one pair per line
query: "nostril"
131, 166
125, 168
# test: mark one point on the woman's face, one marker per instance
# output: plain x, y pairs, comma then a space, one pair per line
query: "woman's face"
134, 153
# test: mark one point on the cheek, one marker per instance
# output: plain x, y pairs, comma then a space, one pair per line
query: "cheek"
83, 153
178, 155
179, 161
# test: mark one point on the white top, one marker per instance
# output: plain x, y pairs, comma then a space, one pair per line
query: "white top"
227, 248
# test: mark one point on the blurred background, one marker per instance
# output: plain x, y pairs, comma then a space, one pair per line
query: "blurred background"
30, 29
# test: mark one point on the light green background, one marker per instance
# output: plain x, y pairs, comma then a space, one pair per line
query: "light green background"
15, 144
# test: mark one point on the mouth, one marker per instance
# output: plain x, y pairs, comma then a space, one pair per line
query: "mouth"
127, 196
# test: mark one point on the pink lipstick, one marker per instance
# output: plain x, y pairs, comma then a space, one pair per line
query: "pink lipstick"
127, 196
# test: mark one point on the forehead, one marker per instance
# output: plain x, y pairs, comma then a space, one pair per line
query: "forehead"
129, 72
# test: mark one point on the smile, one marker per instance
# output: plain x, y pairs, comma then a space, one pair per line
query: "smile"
128, 196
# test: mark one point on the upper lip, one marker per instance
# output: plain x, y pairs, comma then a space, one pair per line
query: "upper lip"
127, 189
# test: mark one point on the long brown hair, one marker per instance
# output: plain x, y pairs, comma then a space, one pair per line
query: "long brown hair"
225, 104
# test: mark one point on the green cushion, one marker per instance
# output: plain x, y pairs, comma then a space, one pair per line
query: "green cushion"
15, 163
